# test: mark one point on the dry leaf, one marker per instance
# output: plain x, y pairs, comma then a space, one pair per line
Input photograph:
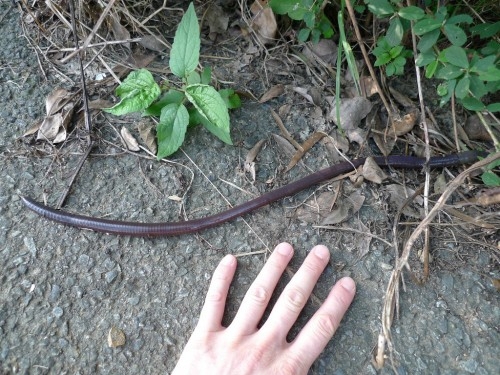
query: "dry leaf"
401, 98
309, 95
306, 146
130, 141
284, 145
325, 49
264, 22
488, 197
119, 31
146, 132
217, 20
344, 209
56, 100
372, 172
475, 129
440, 184
154, 43
316, 208
272, 93
249, 165
496, 284
362, 242
398, 196
352, 111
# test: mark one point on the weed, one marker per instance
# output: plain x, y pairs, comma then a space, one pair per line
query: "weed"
195, 102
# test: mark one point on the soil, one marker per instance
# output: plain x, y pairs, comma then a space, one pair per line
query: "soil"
63, 289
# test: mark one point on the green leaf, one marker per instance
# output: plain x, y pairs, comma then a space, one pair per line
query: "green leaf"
394, 34
383, 59
481, 65
493, 107
172, 96
303, 35
462, 88
430, 70
390, 70
136, 92
193, 77
425, 58
171, 129
411, 13
206, 75
492, 74
296, 9
477, 87
448, 72
459, 18
428, 40
490, 179
212, 107
486, 30
380, 8
309, 19
231, 98
456, 56
426, 25
185, 52
395, 51
455, 34
472, 104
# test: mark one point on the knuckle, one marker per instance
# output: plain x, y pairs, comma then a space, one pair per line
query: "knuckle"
290, 365
325, 326
259, 295
295, 299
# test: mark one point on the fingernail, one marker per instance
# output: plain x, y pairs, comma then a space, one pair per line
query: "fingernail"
348, 284
284, 249
321, 252
227, 260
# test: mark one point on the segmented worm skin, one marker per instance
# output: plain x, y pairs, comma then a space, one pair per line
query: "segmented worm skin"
184, 227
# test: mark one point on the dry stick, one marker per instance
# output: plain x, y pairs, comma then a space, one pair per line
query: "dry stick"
427, 151
389, 301
88, 120
367, 59
94, 30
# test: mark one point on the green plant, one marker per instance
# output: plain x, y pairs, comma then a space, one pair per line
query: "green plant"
194, 102
469, 74
308, 11
489, 177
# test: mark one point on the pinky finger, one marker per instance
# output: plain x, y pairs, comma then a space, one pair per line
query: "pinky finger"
311, 341
215, 301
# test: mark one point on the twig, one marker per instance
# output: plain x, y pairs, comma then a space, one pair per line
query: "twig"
427, 150
91, 35
402, 262
367, 59
88, 120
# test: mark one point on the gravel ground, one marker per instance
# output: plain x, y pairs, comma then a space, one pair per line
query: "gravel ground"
62, 289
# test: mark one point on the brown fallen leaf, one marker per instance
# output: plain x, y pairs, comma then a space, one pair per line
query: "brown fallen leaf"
249, 165
397, 197
146, 132
130, 141
352, 111
325, 50
263, 23
372, 172
306, 146
217, 20
272, 93
154, 43
344, 209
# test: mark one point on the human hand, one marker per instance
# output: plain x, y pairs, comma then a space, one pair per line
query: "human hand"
242, 348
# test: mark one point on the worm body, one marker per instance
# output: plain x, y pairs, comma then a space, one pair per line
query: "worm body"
196, 225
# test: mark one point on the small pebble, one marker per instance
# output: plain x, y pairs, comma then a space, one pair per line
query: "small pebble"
116, 337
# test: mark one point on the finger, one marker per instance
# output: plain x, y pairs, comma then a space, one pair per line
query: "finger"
313, 338
296, 293
215, 301
258, 295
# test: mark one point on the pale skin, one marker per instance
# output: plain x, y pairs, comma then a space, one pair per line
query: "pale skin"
244, 348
